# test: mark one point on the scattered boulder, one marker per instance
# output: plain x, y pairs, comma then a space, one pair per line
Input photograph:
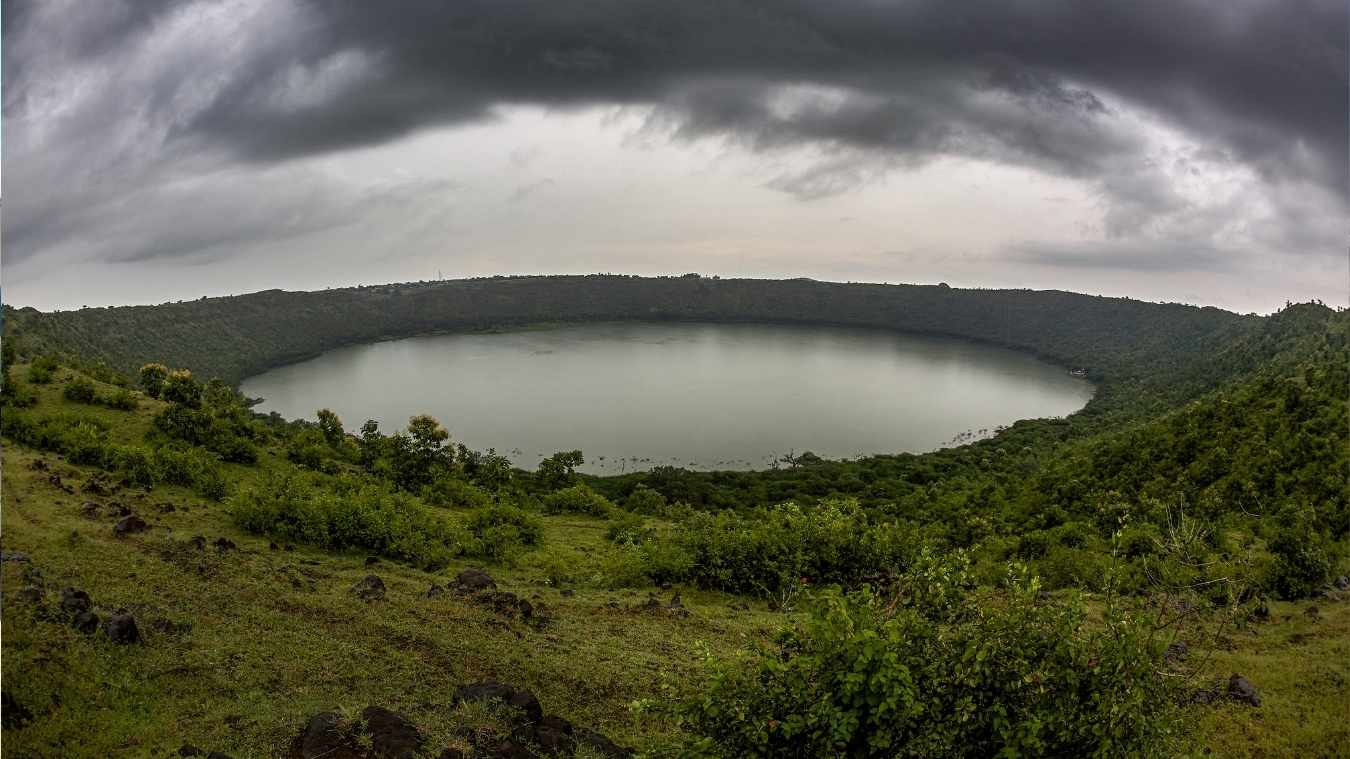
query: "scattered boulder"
653, 605
273, 547
1205, 696
1241, 689
14, 556
553, 735
121, 628
392, 735
85, 622
324, 736
1176, 651
434, 591
38, 465
526, 702
369, 588
602, 745
487, 690
90, 509
224, 544
120, 509
473, 580
129, 524
74, 601
97, 486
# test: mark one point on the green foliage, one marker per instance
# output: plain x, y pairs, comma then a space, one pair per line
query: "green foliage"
331, 427
500, 531
152, 377
578, 499
449, 490
559, 470
182, 389
769, 551
930, 671
80, 390
645, 500
350, 515
1303, 559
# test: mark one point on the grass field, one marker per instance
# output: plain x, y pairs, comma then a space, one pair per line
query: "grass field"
242, 645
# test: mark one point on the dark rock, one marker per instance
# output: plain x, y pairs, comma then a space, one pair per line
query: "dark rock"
273, 547
97, 486
392, 735
29, 594
1241, 689
198, 542
86, 622
224, 544
1205, 696
129, 524
553, 735
372, 561
189, 750
120, 509
38, 465
472, 580
1262, 612
675, 602
12, 713
602, 745
1313, 612
487, 690
370, 588
1342, 583
323, 737
121, 628
74, 601
434, 591
508, 750
567, 592
14, 556
1177, 650
526, 702
90, 509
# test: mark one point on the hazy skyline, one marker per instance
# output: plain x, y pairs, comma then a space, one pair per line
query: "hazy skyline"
1183, 151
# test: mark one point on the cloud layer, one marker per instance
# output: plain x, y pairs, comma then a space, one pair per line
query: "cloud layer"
1207, 129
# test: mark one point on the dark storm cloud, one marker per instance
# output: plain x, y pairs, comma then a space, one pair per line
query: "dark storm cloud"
874, 85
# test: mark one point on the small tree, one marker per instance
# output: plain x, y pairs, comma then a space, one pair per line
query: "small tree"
181, 388
331, 427
153, 377
559, 470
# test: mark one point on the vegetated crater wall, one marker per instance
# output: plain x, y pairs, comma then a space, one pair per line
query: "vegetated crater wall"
1116, 339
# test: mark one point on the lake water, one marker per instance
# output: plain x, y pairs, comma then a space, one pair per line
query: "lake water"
706, 396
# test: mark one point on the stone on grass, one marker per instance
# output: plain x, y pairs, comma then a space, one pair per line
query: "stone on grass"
129, 524
392, 735
121, 628
369, 588
1241, 689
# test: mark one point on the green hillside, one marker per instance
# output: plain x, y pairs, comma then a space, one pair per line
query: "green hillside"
1161, 574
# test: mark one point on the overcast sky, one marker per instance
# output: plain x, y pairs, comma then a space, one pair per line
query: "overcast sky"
1186, 150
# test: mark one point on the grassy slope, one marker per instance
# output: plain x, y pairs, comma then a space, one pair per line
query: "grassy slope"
276, 636
264, 654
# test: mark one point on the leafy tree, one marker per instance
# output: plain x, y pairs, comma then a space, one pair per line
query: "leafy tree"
182, 389
331, 427
153, 376
559, 470
80, 390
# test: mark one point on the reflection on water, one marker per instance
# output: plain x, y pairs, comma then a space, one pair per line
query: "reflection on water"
706, 396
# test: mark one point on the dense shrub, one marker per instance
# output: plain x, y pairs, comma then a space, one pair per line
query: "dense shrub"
499, 531
1303, 560
578, 499
645, 500
932, 672
768, 550
80, 390
448, 490
351, 515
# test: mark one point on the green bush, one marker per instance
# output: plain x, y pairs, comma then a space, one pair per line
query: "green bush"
80, 390
1303, 560
39, 375
448, 490
499, 531
935, 672
645, 500
120, 399
351, 515
578, 499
